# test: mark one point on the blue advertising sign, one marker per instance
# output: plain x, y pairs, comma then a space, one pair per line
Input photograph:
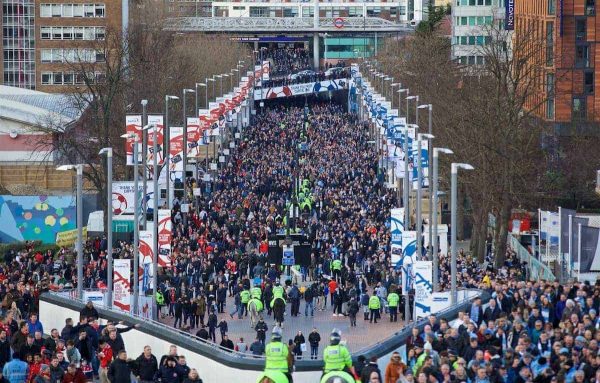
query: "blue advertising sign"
509, 21
288, 256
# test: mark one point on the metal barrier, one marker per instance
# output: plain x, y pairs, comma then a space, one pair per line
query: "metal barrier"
246, 360
537, 270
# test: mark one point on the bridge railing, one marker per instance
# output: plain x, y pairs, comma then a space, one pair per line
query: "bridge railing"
285, 24
537, 270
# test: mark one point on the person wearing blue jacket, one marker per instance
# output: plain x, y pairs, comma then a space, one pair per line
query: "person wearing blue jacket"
16, 370
33, 324
168, 372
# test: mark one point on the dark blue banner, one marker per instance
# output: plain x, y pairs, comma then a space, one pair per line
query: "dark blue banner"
509, 21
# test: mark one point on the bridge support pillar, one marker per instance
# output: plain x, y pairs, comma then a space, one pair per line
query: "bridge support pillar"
316, 51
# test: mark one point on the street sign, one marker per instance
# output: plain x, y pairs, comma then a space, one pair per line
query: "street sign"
288, 256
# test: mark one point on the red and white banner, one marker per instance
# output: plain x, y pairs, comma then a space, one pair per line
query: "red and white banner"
266, 70
205, 125
122, 284
194, 137
146, 255
165, 235
133, 124
158, 121
176, 149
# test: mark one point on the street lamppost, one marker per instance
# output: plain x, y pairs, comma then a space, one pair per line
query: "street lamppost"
453, 206
167, 145
400, 91
433, 208
184, 176
144, 165
392, 86
197, 105
79, 245
154, 129
429, 107
215, 76
213, 89
136, 220
419, 222
109, 220
407, 108
223, 75
385, 79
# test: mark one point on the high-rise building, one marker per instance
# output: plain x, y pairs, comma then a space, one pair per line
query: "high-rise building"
472, 21
42, 38
568, 33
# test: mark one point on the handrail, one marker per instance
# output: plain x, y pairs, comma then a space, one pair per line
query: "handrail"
169, 329
247, 360
537, 270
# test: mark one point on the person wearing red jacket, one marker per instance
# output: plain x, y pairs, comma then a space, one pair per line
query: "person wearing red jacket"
106, 356
73, 375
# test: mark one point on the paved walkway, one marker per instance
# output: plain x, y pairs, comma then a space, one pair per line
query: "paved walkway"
356, 338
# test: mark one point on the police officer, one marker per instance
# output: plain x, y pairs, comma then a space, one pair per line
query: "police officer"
278, 291
256, 293
277, 354
336, 266
272, 377
244, 299
160, 300
336, 356
374, 306
393, 299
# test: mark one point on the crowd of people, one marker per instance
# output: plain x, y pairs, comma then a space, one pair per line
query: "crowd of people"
291, 65
82, 351
526, 331
287, 60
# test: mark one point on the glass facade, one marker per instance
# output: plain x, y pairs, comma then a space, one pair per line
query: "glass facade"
18, 43
341, 48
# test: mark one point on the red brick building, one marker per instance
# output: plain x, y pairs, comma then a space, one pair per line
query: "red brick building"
566, 91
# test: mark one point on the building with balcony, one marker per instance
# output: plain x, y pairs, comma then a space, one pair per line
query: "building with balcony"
566, 89
40, 39
471, 24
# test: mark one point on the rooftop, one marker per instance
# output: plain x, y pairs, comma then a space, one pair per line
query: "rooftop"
37, 108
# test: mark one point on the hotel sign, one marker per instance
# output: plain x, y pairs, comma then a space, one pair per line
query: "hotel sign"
509, 23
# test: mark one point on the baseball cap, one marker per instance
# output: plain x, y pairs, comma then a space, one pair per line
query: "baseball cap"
564, 350
488, 332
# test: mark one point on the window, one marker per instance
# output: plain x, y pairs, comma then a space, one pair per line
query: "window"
550, 95
581, 29
56, 10
551, 7
100, 57
99, 10
68, 33
45, 33
582, 56
57, 78
78, 33
68, 78
46, 78
471, 60
590, 7
45, 10
67, 10
588, 82
578, 109
549, 43
56, 33
100, 33
77, 10
46, 55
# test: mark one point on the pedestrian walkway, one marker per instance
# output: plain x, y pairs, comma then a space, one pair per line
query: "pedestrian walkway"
357, 338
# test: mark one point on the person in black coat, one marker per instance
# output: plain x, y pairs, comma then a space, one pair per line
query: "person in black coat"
89, 311
146, 366
168, 372
119, 370
202, 333
4, 349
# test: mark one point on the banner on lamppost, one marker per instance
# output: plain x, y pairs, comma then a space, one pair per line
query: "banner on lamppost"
409, 246
423, 287
122, 284
194, 137
133, 124
156, 120
396, 229
165, 236
123, 195
509, 23
205, 125
146, 255
176, 149
424, 164
266, 70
